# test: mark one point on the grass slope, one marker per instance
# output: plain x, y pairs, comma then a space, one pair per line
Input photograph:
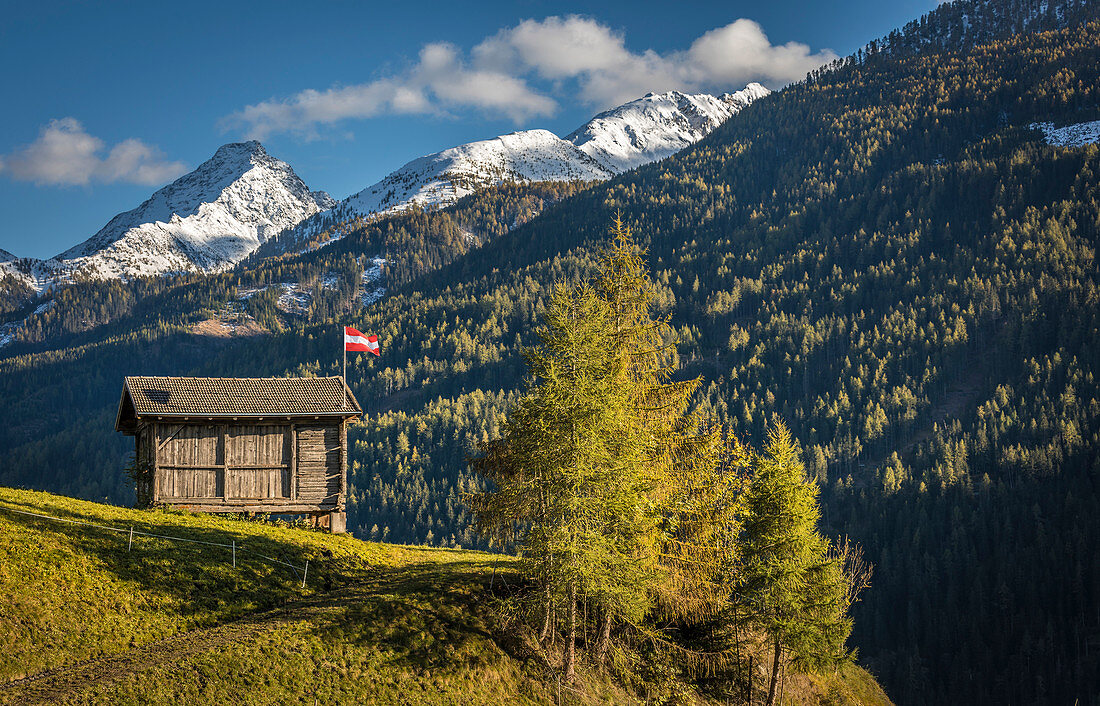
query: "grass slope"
85, 620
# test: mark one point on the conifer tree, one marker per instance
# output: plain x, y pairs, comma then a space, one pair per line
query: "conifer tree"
793, 588
563, 468
624, 499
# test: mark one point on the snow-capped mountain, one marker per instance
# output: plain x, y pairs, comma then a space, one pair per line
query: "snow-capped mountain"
447, 176
633, 134
657, 126
242, 197
204, 221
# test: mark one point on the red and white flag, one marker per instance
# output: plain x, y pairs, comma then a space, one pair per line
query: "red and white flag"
355, 341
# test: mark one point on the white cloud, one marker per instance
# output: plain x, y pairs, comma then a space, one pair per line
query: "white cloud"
439, 81
557, 47
515, 72
741, 51
608, 74
65, 153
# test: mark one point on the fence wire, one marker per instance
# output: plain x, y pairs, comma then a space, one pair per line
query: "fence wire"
233, 547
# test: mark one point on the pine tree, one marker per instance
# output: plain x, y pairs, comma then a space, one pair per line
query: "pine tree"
793, 587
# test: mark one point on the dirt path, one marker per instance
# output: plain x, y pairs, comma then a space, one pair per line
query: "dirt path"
62, 682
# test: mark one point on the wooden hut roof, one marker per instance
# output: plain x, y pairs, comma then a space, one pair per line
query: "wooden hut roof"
233, 397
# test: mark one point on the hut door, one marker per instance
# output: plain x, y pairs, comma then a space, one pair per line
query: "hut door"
257, 462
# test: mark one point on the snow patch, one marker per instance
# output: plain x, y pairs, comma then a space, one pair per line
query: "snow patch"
7, 333
10, 330
1076, 135
295, 298
372, 279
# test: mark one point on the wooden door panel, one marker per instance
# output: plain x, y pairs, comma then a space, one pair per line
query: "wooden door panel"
257, 462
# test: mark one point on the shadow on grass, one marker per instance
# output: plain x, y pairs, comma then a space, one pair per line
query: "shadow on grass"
421, 610
197, 579
432, 616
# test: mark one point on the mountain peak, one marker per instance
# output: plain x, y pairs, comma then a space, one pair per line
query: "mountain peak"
250, 151
206, 220
657, 125
237, 158
665, 95
231, 148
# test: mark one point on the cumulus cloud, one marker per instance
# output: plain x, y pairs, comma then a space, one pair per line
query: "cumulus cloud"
608, 74
65, 153
516, 73
439, 81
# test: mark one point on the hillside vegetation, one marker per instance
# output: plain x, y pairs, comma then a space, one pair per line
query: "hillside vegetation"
169, 621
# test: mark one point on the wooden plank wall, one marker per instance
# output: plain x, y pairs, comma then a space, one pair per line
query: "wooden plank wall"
258, 461
232, 463
190, 461
319, 467
189, 445
178, 483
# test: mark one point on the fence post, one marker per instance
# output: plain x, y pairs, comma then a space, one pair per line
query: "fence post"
234, 553
131, 545
304, 572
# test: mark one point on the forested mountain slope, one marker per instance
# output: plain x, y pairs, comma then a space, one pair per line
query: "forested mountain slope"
888, 256
63, 368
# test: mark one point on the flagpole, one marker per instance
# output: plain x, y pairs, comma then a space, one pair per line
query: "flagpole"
344, 346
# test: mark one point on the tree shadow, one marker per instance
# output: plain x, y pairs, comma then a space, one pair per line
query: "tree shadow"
197, 577
433, 616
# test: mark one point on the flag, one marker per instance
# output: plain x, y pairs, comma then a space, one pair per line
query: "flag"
355, 341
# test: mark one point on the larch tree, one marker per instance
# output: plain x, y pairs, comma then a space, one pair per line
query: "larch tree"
594, 467
565, 466
794, 588
687, 478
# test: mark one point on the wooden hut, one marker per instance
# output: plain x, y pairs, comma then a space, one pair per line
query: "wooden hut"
276, 445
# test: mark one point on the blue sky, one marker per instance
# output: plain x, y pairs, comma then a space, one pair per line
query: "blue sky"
105, 102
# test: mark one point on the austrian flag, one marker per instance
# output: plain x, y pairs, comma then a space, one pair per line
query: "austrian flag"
355, 341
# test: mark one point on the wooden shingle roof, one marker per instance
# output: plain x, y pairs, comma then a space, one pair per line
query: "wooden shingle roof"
233, 397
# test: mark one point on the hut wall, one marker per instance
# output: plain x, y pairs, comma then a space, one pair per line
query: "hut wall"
247, 465
319, 456
190, 461
258, 461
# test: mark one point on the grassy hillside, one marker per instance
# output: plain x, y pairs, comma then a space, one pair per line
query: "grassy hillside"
85, 619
